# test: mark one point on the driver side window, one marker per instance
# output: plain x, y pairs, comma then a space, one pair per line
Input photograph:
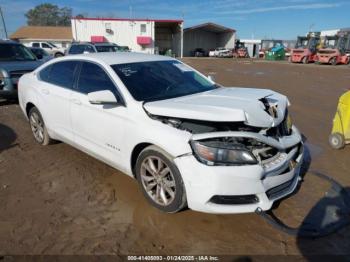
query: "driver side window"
43, 45
93, 78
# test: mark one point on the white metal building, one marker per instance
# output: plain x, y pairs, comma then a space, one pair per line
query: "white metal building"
253, 46
140, 35
208, 36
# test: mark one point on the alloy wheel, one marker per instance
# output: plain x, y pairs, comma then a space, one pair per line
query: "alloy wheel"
37, 126
158, 180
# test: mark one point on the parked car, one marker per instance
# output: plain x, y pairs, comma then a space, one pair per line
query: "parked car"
49, 47
41, 54
227, 54
15, 60
188, 141
218, 51
87, 47
199, 52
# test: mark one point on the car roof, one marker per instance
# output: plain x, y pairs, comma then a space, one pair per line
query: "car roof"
112, 58
9, 42
95, 44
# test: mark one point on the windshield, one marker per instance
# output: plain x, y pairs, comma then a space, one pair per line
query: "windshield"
302, 42
11, 52
107, 48
331, 42
39, 51
158, 80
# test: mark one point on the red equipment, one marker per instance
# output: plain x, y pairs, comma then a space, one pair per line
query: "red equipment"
306, 48
336, 49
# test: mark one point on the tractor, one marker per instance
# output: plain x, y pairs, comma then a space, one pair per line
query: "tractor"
241, 50
266, 46
306, 48
336, 49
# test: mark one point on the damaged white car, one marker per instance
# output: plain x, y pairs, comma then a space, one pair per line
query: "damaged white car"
188, 141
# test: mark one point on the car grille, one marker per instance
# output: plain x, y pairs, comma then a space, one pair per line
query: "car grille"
234, 200
277, 191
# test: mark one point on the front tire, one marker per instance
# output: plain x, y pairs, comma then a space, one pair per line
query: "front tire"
160, 180
333, 61
38, 128
305, 60
59, 55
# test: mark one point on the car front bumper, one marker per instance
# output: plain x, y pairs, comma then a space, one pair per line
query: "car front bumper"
9, 89
212, 189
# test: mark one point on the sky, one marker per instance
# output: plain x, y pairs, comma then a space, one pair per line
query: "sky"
283, 19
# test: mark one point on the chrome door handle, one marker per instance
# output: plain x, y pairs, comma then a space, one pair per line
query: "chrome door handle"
76, 101
45, 91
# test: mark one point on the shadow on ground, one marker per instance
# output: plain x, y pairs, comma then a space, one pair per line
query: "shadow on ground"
7, 137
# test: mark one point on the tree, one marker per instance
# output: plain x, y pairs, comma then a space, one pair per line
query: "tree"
49, 15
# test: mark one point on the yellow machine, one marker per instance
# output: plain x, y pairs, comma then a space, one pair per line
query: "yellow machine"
341, 123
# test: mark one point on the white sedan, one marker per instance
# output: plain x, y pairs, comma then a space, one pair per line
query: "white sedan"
188, 141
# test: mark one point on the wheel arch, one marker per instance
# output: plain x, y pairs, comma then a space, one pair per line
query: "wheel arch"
135, 154
139, 148
29, 106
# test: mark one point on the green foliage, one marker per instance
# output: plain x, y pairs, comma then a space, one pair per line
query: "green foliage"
49, 15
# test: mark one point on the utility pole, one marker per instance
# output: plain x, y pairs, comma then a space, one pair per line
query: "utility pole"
3, 23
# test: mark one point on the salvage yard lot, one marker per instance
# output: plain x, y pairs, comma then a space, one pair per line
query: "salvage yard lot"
58, 200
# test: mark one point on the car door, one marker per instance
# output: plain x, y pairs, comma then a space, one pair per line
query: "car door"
98, 128
47, 48
56, 87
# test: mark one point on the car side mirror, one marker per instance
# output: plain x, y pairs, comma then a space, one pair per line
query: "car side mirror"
104, 97
211, 78
39, 56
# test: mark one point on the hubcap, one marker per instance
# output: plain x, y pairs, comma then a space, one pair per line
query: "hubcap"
158, 180
37, 127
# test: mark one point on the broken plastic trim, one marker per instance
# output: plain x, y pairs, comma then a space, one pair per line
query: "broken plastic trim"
312, 232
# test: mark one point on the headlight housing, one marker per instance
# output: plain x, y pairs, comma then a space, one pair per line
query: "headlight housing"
220, 153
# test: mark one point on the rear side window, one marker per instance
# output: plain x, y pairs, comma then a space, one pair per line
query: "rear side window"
35, 45
93, 78
45, 73
61, 74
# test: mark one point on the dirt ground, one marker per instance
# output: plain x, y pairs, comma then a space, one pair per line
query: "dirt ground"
58, 200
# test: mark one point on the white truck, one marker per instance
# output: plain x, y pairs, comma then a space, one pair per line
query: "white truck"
49, 47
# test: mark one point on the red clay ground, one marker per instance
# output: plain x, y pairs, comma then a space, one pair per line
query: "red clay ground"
58, 200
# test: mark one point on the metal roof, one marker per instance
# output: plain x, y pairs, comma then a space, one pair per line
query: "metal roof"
129, 19
211, 27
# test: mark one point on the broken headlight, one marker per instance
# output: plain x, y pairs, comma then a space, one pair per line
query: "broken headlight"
221, 153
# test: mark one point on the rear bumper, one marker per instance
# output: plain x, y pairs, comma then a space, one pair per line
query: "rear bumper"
239, 189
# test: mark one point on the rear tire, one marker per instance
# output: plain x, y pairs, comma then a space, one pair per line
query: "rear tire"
160, 180
38, 128
337, 141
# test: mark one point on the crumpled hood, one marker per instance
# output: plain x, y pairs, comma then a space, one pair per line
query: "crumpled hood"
225, 105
